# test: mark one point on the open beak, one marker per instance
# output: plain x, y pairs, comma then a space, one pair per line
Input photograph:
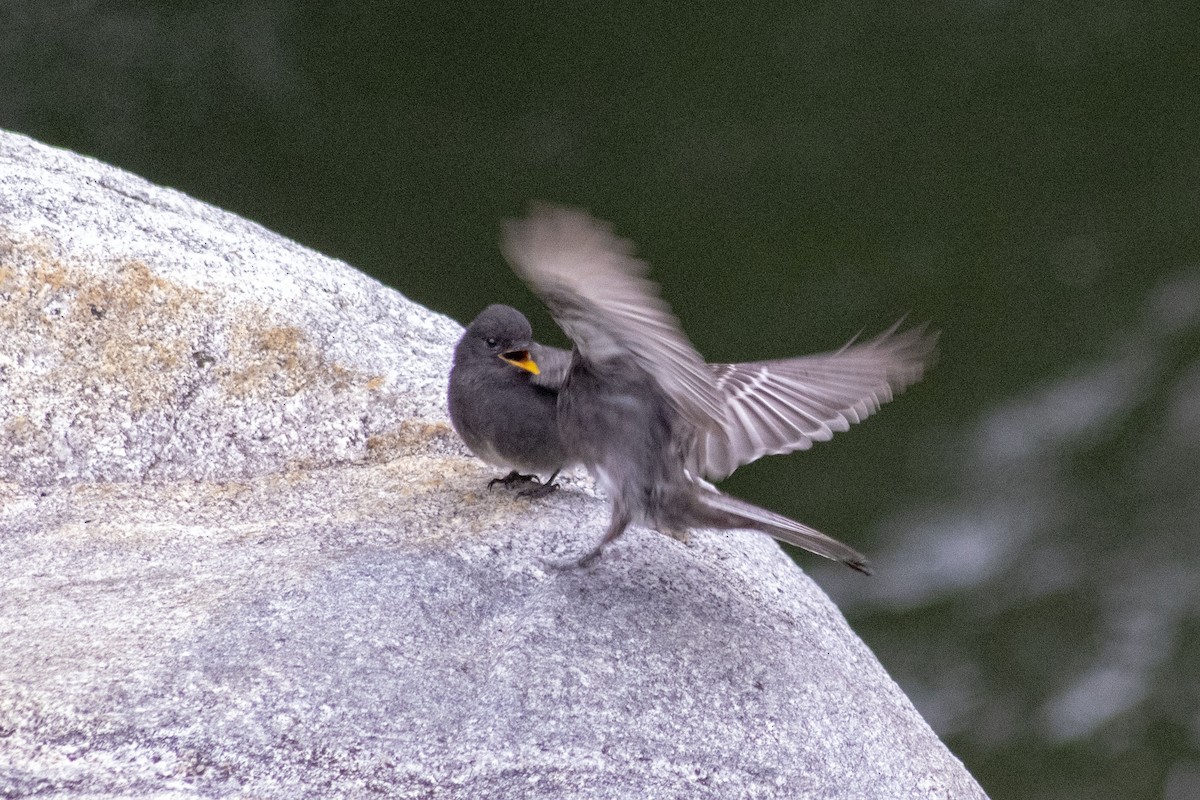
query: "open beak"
522, 359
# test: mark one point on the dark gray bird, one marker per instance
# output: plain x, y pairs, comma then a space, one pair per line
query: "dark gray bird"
497, 403
641, 410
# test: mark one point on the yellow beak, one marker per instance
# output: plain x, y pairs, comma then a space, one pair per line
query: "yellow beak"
521, 358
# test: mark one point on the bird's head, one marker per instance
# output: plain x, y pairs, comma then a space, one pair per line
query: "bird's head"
499, 332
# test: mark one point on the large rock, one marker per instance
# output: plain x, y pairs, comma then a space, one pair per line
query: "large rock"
242, 554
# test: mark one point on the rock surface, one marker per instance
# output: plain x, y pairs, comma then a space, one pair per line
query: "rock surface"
243, 554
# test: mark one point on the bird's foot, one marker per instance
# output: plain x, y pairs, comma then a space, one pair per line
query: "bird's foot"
589, 559
616, 527
570, 564
515, 477
541, 490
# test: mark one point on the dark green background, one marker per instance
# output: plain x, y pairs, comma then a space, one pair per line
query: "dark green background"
1025, 175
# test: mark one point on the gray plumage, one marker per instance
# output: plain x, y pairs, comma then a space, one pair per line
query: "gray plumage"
496, 406
771, 407
641, 410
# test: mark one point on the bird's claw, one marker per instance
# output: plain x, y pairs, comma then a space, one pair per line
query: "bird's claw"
514, 477
572, 564
541, 490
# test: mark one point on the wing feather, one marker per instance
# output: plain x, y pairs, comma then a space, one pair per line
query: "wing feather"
781, 406
597, 292
553, 363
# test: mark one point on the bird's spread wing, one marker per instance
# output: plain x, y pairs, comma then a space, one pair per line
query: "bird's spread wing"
781, 406
597, 292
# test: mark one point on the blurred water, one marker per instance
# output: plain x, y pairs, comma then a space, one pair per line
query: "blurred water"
1063, 564
1025, 175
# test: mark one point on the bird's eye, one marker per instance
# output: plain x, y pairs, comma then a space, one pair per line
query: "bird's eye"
490, 341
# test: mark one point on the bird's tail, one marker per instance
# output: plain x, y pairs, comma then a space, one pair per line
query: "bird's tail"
730, 512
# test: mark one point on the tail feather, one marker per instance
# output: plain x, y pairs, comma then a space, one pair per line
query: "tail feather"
748, 515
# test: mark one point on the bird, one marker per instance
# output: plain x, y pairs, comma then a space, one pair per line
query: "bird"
497, 401
639, 408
